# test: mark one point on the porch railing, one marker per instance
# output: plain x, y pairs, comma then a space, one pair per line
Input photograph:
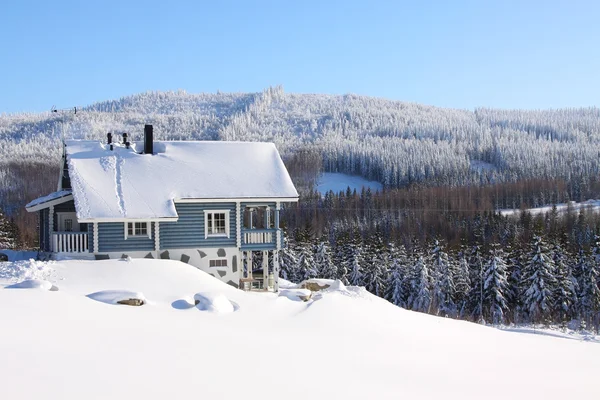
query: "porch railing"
70, 242
258, 236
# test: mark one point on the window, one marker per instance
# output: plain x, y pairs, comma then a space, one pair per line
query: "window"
137, 229
216, 223
218, 263
68, 225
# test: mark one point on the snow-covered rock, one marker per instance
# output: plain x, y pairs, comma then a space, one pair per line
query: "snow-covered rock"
124, 297
315, 284
33, 284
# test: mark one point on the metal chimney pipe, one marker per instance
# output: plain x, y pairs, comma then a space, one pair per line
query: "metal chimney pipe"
148, 139
109, 137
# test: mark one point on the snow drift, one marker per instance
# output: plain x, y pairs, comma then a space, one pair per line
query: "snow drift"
342, 344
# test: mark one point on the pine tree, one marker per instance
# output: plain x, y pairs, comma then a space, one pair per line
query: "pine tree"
476, 264
396, 285
420, 298
340, 258
495, 286
589, 295
8, 233
376, 269
514, 293
443, 282
566, 285
306, 264
323, 263
288, 262
462, 285
538, 283
356, 274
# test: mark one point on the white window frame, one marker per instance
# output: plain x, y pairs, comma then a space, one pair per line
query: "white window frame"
208, 234
148, 229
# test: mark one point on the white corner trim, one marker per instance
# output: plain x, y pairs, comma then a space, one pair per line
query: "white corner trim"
238, 225
157, 236
96, 239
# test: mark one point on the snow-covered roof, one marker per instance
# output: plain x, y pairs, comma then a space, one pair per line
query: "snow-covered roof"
122, 184
46, 201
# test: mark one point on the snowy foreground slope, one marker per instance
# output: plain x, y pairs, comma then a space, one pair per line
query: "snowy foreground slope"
70, 344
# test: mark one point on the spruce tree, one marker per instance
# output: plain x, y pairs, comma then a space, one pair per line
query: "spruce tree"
589, 295
565, 295
420, 298
462, 285
288, 262
495, 286
538, 283
443, 282
306, 264
323, 262
8, 233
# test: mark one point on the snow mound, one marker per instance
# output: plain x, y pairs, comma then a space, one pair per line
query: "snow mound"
116, 296
214, 302
33, 284
183, 304
18, 271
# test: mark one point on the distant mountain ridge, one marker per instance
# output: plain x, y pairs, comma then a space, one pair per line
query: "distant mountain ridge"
393, 142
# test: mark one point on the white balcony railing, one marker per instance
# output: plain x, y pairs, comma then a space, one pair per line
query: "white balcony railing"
262, 236
70, 242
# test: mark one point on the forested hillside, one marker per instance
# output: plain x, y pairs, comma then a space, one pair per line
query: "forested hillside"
399, 144
431, 240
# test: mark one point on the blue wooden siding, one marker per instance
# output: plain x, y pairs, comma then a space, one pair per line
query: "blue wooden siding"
111, 237
188, 231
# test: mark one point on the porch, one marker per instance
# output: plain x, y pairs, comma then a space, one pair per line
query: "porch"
260, 271
69, 242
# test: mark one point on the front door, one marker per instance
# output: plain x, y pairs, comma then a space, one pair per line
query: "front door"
67, 222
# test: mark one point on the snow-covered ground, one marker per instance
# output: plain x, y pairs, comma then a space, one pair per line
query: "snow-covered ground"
340, 182
592, 205
342, 344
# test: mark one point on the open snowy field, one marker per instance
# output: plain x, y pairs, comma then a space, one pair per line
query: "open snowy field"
339, 182
561, 208
64, 338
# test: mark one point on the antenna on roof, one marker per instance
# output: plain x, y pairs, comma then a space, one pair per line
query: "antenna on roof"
63, 112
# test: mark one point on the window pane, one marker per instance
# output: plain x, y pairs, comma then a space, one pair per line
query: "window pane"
219, 223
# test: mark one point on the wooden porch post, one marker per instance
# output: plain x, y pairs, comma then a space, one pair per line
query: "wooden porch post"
276, 270
250, 263
265, 267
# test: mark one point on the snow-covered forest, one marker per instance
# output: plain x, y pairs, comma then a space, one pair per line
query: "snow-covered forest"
393, 142
444, 171
539, 282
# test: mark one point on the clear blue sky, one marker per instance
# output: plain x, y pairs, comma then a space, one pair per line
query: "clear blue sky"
509, 54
